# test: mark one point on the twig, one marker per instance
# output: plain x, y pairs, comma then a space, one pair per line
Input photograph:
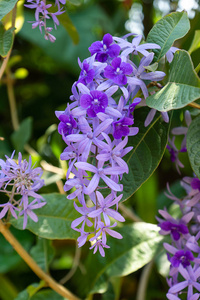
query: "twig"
32, 264
12, 100
195, 105
141, 293
74, 267
129, 213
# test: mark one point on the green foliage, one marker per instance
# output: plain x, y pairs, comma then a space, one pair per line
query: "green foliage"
54, 219
21, 136
9, 259
196, 42
167, 30
138, 247
6, 40
43, 253
183, 85
148, 148
6, 6
193, 145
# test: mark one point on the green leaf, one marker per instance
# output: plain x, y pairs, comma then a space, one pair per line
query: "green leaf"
22, 135
33, 292
6, 40
43, 253
193, 145
9, 259
148, 148
138, 247
7, 289
152, 67
183, 86
196, 42
167, 30
69, 26
54, 219
6, 6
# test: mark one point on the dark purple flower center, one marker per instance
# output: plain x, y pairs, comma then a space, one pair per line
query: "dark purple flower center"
176, 229
182, 257
195, 184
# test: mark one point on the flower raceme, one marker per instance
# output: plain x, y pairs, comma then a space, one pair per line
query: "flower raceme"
19, 180
95, 126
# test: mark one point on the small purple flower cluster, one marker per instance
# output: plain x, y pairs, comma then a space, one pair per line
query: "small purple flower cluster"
184, 250
95, 127
42, 14
20, 181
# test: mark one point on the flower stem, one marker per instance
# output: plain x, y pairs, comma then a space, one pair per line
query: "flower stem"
32, 264
195, 105
141, 293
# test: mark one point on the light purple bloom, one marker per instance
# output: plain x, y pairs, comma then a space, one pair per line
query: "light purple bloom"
104, 49
117, 71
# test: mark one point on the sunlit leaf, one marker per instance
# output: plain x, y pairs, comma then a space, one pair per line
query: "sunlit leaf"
196, 42
54, 219
193, 145
167, 30
6, 6
138, 247
6, 40
183, 85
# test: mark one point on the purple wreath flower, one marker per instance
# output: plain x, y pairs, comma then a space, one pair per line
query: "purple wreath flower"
182, 257
67, 124
118, 71
86, 75
104, 49
94, 103
120, 128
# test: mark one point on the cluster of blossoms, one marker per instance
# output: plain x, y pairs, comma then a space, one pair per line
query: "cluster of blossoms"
184, 251
42, 14
20, 181
95, 127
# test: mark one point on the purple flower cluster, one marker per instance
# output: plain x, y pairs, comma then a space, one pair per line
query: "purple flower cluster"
95, 127
20, 181
184, 250
42, 14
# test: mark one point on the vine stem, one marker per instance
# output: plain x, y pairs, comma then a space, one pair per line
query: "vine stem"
195, 105
6, 59
61, 290
141, 293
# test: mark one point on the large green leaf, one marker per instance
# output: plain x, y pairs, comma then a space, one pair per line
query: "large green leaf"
193, 145
196, 42
6, 40
148, 148
54, 219
6, 6
167, 30
138, 247
43, 253
183, 86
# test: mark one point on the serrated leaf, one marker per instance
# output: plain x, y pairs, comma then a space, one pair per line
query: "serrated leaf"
167, 30
138, 247
6, 6
54, 219
183, 86
196, 42
22, 135
193, 145
42, 253
148, 148
6, 40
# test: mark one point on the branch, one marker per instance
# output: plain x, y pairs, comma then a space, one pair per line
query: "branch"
32, 264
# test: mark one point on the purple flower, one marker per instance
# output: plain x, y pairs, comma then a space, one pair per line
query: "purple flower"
120, 127
94, 103
104, 208
118, 71
170, 54
182, 257
99, 245
67, 124
175, 229
86, 75
104, 49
